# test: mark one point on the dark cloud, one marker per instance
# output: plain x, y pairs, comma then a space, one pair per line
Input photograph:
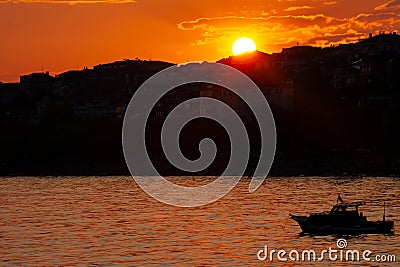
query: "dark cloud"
394, 4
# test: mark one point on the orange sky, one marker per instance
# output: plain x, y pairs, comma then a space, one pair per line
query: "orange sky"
58, 35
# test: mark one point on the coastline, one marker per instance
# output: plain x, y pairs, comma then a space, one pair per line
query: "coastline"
340, 167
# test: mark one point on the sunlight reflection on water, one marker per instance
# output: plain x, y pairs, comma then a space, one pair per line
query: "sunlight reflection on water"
110, 221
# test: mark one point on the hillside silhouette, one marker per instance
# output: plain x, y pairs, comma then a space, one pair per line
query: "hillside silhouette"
337, 112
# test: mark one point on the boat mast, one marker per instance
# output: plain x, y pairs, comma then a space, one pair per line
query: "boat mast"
384, 210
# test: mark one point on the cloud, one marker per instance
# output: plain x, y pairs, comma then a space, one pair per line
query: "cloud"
278, 31
289, 21
394, 4
294, 8
70, 2
329, 3
204, 23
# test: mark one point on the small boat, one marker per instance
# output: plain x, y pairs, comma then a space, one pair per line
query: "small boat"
343, 218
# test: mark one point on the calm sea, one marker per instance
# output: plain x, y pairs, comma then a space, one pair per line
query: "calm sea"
109, 221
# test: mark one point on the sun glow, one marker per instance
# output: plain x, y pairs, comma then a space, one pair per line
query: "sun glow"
243, 45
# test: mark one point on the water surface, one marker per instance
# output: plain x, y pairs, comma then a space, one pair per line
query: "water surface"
109, 221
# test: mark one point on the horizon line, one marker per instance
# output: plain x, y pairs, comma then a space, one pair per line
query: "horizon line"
369, 36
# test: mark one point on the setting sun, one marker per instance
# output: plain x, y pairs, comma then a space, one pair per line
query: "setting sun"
243, 45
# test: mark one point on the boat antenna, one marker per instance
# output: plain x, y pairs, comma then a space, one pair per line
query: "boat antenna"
339, 198
384, 210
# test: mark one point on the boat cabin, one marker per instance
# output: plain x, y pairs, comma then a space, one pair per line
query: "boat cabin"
346, 208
